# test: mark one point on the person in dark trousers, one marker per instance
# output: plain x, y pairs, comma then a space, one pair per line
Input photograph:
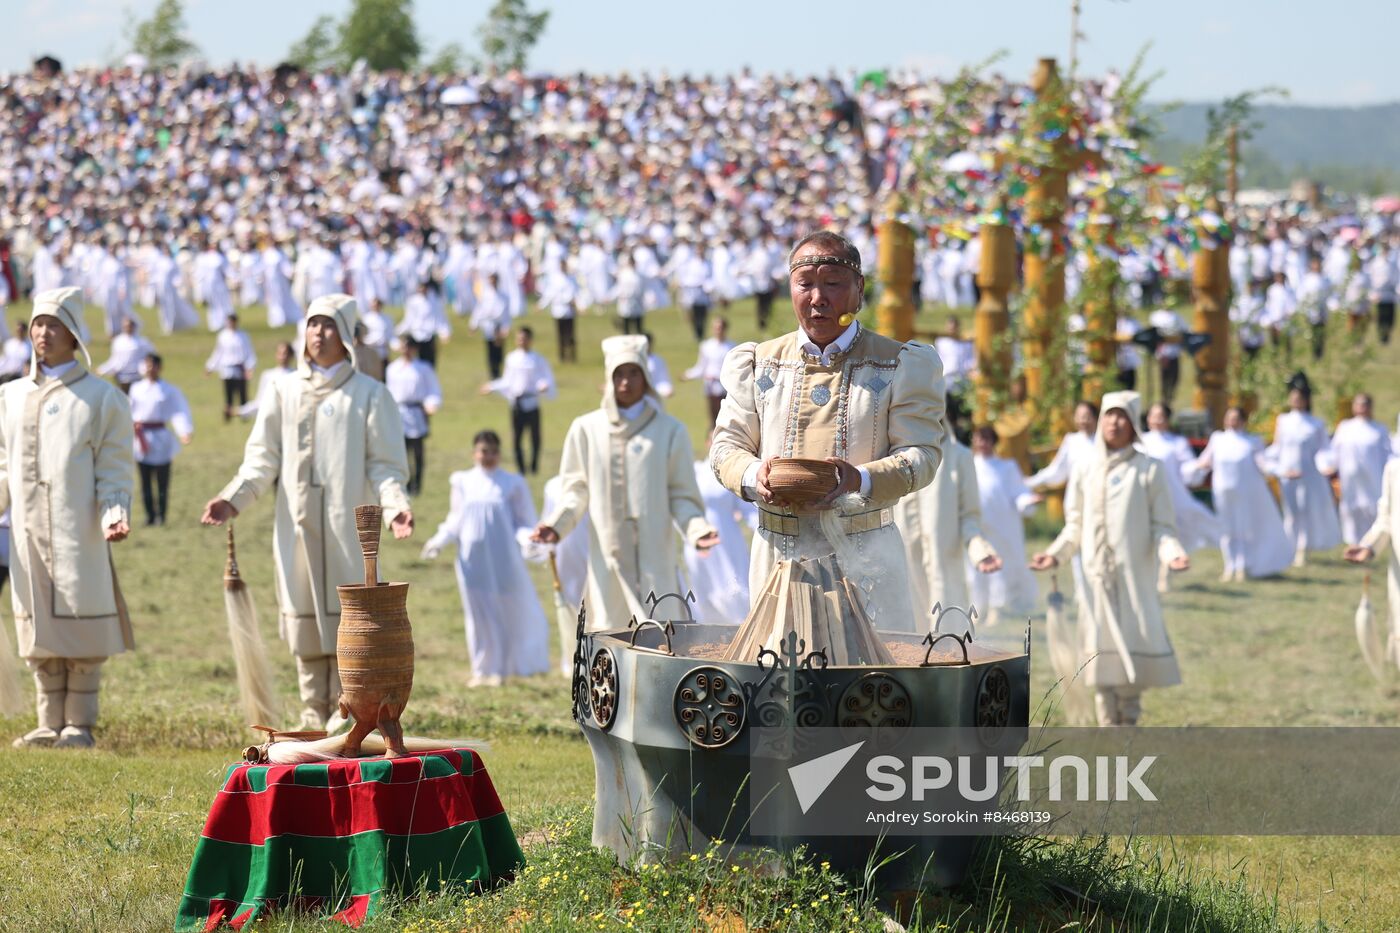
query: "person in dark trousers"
526, 379
234, 360
162, 424
415, 388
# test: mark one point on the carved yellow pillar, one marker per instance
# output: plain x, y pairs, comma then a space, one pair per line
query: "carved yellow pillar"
894, 315
991, 321
1100, 314
1046, 201
1210, 281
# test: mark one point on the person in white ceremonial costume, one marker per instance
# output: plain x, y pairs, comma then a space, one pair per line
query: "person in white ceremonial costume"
175, 313
1196, 525
571, 553
415, 388
629, 467
942, 529
275, 273
162, 424
658, 373
127, 351
525, 380
490, 511
285, 355
328, 438
1074, 447
719, 577
1119, 518
65, 477
1300, 441
1361, 447
425, 321
1005, 502
233, 360
1252, 539
833, 390
710, 363
1385, 532
15, 353
211, 275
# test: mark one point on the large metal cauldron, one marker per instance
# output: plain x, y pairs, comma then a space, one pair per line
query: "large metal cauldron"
672, 773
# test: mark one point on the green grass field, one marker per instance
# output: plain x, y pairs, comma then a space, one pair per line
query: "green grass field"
101, 840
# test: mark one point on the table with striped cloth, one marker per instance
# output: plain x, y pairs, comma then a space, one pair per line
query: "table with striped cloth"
336, 837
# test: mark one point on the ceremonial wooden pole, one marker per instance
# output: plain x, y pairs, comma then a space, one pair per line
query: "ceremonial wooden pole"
894, 315
1046, 200
1100, 315
1210, 281
991, 322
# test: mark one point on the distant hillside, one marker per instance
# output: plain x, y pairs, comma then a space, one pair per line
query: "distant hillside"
1356, 149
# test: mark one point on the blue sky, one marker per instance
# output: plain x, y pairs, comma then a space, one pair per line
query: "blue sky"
1335, 53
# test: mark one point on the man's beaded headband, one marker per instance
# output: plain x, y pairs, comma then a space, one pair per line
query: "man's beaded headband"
822, 261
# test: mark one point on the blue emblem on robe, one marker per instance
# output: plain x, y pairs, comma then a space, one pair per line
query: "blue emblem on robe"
765, 382
821, 395
876, 384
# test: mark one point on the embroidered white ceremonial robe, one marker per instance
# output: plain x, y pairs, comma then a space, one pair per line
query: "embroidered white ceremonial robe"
332, 444
942, 529
507, 634
65, 476
635, 479
872, 401
1119, 519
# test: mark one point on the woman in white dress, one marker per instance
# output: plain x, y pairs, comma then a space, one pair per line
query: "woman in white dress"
175, 312
1309, 509
1006, 501
276, 272
507, 634
1252, 540
1196, 526
719, 577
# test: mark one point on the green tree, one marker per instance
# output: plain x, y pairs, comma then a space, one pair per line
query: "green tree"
161, 39
382, 33
509, 32
317, 49
451, 59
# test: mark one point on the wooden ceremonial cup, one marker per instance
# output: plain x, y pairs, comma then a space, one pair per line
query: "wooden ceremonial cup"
802, 482
374, 647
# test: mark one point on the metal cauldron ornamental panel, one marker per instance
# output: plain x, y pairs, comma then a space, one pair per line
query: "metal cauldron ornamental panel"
670, 733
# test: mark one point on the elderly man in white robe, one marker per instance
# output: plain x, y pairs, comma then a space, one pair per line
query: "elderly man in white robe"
1119, 519
1360, 449
628, 467
942, 529
69, 497
832, 390
331, 438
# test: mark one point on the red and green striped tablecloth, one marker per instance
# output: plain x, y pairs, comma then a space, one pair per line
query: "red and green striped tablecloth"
335, 837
